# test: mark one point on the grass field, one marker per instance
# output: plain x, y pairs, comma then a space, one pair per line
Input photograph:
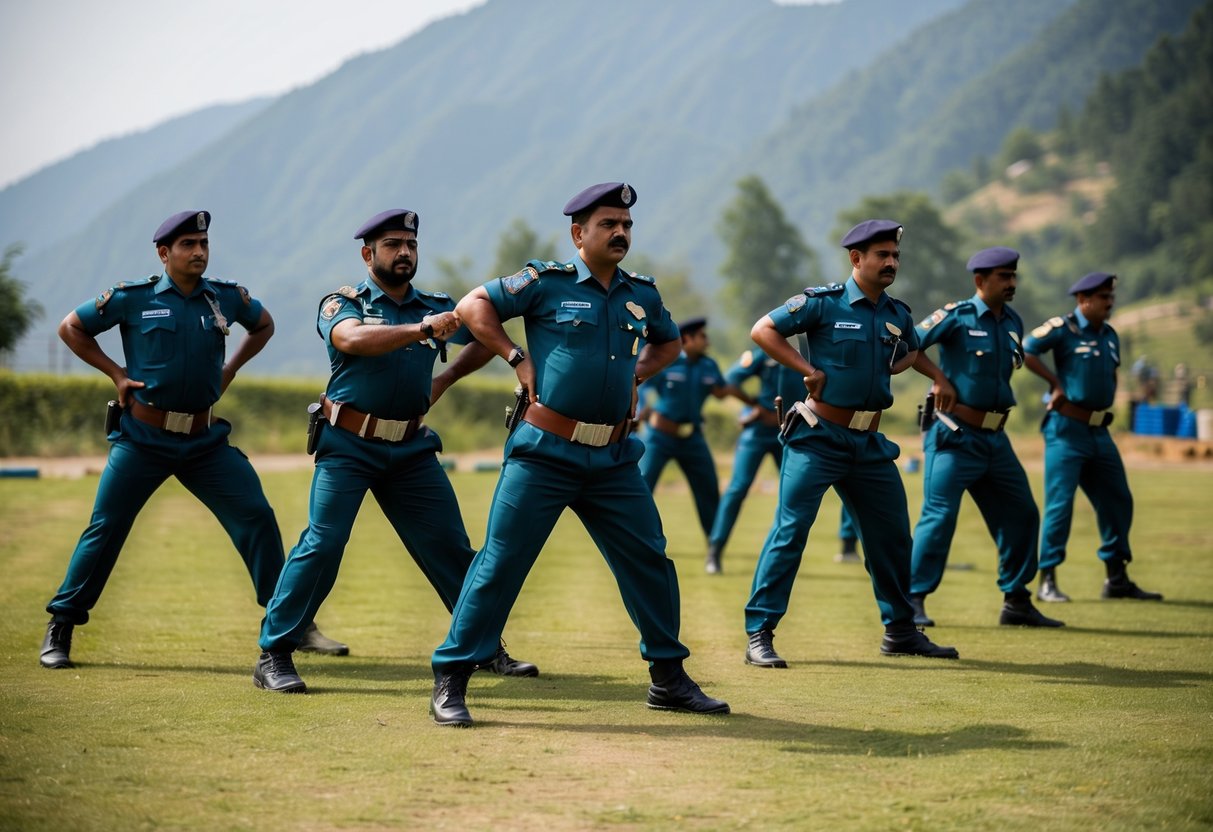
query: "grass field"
1107, 724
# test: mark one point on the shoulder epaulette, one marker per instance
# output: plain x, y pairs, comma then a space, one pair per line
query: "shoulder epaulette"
942, 312
828, 289
350, 292
438, 295
541, 266
150, 280
643, 278
221, 281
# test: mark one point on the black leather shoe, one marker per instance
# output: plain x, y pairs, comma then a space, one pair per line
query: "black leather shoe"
448, 703
276, 672
1019, 612
711, 564
678, 692
57, 646
914, 643
1048, 590
315, 641
1125, 588
503, 664
919, 604
761, 653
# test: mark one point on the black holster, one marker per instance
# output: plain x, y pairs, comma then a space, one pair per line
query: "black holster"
926, 412
113, 413
315, 423
515, 412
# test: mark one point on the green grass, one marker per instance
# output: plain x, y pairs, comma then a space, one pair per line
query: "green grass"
1106, 724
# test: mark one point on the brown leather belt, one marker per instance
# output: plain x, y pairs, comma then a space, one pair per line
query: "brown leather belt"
343, 416
1094, 418
669, 427
187, 423
984, 419
868, 420
583, 433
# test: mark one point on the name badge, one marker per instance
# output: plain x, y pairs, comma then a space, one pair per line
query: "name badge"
576, 304
157, 313
978, 333
847, 325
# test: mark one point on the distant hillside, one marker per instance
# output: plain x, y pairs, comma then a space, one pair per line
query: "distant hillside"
60, 199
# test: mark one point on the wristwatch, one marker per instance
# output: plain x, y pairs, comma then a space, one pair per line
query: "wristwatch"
516, 356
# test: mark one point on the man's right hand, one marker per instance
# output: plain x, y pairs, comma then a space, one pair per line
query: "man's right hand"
126, 387
814, 382
526, 377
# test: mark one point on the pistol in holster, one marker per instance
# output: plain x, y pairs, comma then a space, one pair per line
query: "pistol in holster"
112, 414
926, 412
315, 423
800, 411
515, 412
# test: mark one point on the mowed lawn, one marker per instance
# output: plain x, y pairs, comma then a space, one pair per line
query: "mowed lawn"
1106, 724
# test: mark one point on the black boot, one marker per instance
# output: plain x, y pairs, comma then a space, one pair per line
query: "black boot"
1049, 591
907, 641
1017, 611
711, 564
503, 664
1118, 584
448, 703
919, 604
57, 646
674, 690
849, 552
760, 652
315, 641
276, 672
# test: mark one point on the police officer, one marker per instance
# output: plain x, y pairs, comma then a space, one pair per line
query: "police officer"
1079, 450
593, 333
174, 330
383, 336
858, 336
674, 422
966, 448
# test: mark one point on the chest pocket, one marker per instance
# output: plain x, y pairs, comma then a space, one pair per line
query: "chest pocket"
846, 347
579, 329
159, 340
980, 353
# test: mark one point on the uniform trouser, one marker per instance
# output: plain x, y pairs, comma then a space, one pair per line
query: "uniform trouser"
859, 464
542, 475
695, 458
415, 495
984, 464
215, 472
1078, 455
753, 446
847, 530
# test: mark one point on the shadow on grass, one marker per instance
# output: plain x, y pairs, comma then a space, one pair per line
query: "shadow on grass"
1079, 673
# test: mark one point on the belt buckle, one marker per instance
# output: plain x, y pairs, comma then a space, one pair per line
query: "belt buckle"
390, 430
1097, 417
596, 436
178, 422
862, 419
685, 429
992, 420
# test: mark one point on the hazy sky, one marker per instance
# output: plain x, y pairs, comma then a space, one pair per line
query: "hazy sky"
76, 72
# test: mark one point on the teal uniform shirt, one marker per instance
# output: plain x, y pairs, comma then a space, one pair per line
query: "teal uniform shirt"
405, 477
175, 344
1086, 359
584, 341
681, 390
978, 351
851, 340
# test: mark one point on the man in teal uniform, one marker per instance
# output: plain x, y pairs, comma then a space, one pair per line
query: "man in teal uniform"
674, 422
966, 449
1079, 450
858, 337
382, 338
174, 330
593, 333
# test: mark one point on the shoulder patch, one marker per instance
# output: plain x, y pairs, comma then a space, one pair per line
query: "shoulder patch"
245, 296
1047, 327
795, 301
104, 298
515, 283
747, 359
643, 278
330, 306
828, 289
348, 292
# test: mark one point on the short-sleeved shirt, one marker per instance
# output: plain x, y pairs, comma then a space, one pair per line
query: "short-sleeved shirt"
395, 385
774, 378
584, 339
850, 339
1086, 358
172, 342
978, 350
682, 388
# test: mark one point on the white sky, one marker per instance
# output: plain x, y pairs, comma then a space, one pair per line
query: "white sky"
76, 72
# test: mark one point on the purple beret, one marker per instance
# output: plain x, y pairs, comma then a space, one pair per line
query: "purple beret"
182, 222
1093, 281
611, 194
999, 257
395, 219
869, 231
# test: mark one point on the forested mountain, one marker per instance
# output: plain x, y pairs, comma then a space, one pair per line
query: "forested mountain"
504, 112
